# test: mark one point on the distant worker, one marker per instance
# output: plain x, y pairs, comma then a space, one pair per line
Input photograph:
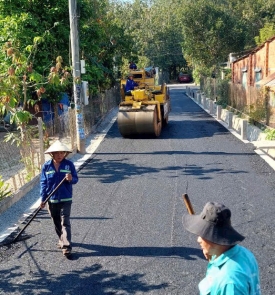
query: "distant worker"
59, 205
132, 66
232, 269
130, 85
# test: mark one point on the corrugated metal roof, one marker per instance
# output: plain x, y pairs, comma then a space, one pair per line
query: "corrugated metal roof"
244, 54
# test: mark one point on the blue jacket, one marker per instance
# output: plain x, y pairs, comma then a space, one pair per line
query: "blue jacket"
50, 178
130, 85
133, 66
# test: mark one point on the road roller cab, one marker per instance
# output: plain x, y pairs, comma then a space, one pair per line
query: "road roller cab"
145, 110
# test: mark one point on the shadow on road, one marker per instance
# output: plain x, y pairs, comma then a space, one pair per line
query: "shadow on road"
118, 170
89, 280
186, 253
93, 279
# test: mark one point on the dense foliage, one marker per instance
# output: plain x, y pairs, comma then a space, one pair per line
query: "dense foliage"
177, 34
171, 34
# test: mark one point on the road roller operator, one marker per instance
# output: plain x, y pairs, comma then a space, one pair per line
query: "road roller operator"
130, 85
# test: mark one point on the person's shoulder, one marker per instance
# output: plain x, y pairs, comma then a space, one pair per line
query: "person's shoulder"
244, 250
240, 260
68, 162
47, 163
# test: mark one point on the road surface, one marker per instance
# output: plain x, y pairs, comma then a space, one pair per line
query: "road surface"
127, 213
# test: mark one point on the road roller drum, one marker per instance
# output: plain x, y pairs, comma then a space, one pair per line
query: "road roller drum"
138, 122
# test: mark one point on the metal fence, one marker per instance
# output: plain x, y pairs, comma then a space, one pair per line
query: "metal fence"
256, 103
17, 170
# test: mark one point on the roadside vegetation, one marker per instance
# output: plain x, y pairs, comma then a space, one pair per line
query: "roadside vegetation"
175, 35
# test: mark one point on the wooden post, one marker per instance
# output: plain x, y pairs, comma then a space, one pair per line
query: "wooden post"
41, 141
14, 183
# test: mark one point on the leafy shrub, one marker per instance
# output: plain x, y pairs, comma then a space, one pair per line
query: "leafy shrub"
270, 134
4, 191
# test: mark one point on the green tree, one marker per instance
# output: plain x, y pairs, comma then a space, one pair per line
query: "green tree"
20, 83
151, 27
49, 19
266, 33
210, 33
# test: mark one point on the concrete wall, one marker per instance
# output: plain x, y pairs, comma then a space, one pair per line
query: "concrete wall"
241, 126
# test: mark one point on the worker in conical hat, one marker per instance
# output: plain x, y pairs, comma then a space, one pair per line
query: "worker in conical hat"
55, 171
58, 146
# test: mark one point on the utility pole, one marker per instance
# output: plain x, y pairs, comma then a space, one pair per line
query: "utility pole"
76, 76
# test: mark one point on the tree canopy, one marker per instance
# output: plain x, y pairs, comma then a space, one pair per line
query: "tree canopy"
170, 34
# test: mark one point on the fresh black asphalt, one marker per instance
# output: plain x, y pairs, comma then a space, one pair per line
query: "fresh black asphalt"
127, 213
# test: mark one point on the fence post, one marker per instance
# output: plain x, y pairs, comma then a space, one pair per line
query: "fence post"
14, 183
203, 101
219, 112
41, 140
210, 106
72, 127
230, 117
244, 129
199, 98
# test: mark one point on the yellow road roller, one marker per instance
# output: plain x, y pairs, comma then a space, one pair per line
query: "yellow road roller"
145, 110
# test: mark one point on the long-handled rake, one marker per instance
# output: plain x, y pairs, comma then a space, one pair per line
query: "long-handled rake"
36, 211
188, 204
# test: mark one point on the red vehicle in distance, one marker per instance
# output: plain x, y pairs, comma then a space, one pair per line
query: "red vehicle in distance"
184, 78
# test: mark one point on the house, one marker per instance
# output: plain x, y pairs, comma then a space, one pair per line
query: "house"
252, 72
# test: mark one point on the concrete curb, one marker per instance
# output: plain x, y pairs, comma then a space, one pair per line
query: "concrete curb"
226, 118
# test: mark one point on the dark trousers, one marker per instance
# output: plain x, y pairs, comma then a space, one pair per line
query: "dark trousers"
60, 214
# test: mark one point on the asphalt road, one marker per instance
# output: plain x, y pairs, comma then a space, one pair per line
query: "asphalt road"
127, 213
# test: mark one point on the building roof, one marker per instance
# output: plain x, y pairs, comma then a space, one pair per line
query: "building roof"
244, 54
267, 81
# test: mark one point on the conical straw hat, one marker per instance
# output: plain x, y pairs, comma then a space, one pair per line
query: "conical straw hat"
57, 146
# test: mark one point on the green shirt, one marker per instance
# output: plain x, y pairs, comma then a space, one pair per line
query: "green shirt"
235, 272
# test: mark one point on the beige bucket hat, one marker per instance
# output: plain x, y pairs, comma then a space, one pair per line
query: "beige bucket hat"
57, 146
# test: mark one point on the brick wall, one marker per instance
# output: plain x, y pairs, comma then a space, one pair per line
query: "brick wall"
250, 73
260, 60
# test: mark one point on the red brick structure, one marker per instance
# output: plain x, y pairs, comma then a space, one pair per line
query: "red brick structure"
260, 60
251, 73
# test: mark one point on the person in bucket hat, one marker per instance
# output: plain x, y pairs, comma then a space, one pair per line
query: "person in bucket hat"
55, 171
232, 269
